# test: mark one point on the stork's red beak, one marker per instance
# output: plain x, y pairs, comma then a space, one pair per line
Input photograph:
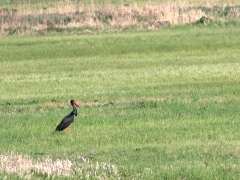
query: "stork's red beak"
76, 104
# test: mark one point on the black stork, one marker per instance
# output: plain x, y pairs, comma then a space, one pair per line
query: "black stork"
65, 123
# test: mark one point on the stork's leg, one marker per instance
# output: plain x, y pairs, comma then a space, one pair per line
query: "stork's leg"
68, 129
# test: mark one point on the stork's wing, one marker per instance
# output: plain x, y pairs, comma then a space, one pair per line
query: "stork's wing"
65, 122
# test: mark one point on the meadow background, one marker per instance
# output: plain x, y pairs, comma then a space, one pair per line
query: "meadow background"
156, 102
39, 17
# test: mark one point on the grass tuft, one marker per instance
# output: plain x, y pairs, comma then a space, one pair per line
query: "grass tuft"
27, 168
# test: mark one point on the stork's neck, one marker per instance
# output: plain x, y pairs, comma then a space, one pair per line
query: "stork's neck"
74, 110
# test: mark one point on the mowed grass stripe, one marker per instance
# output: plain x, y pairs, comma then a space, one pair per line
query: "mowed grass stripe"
103, 83
161, 72
118, 44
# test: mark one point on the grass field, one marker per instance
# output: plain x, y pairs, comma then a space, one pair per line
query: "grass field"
158, 104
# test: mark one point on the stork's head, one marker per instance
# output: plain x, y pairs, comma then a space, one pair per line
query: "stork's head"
74, 103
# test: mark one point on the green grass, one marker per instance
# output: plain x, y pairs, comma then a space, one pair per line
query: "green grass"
157, 105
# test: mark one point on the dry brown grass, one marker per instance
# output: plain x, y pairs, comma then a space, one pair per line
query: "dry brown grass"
87, 19
26, 168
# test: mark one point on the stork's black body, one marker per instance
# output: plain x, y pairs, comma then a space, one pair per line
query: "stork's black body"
65, 123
